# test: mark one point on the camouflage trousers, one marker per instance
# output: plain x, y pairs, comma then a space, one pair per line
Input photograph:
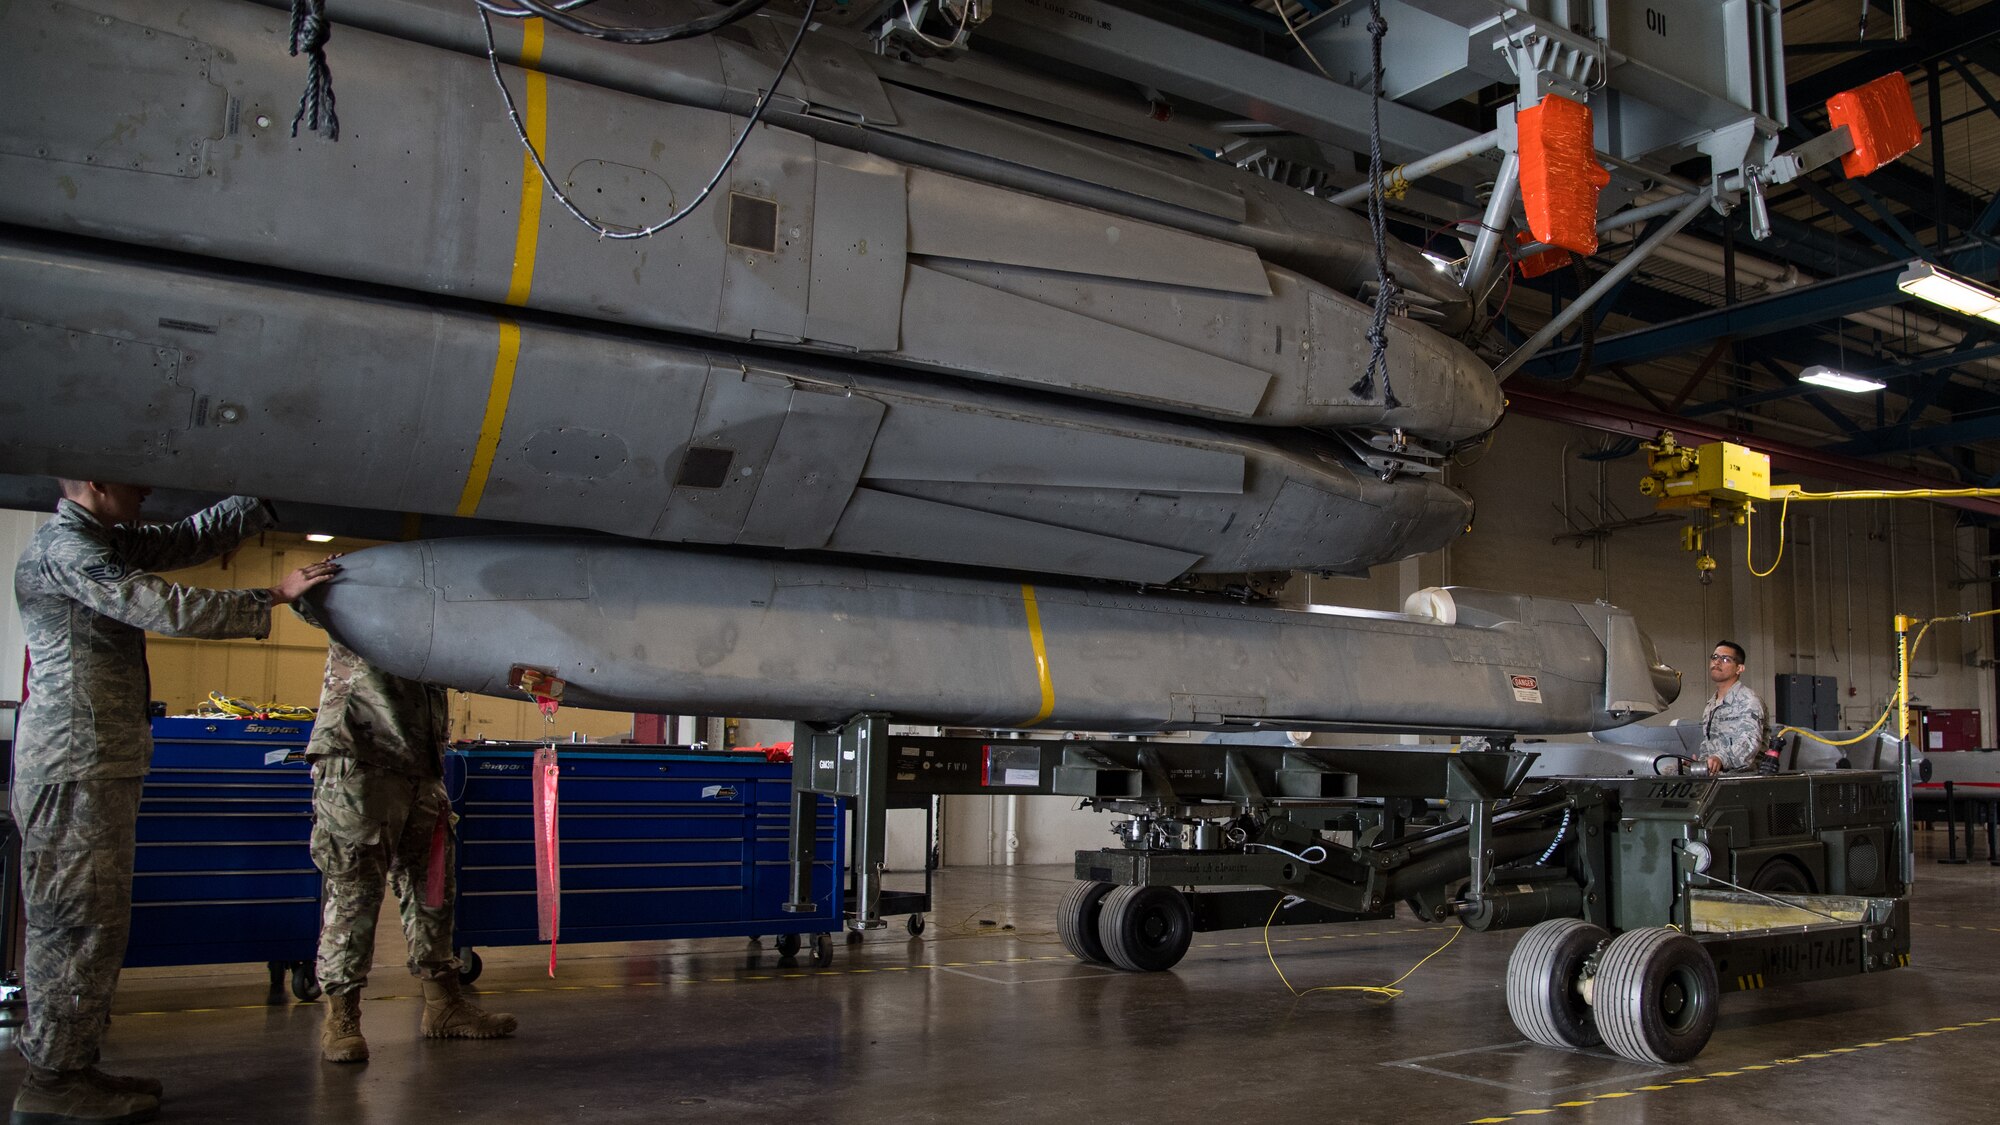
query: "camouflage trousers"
76, 890
372, 825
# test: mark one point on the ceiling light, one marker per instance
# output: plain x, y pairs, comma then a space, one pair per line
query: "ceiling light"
1824, 376
316, 537
1942, 287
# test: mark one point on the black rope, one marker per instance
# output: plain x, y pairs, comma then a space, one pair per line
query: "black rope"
310, 29
1378, 224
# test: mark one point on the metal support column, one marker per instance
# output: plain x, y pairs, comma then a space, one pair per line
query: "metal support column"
850, 763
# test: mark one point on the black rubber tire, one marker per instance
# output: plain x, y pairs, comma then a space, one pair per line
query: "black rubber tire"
305, 981
1655, 996
1782, 876
915, 924
469, 965
1146, 929
822, 950
1542, 976
788, 945
277, 971
1076, 922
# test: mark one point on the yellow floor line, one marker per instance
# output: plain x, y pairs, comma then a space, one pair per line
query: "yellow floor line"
1718, 1075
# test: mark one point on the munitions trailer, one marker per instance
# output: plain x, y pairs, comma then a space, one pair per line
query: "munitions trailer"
1646, 898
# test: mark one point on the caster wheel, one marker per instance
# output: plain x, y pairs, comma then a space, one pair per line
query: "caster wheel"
822, 950
915, 925
854, 937
469, 965
305, 981
788, 945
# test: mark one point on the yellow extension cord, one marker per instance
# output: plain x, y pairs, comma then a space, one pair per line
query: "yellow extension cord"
1851, 494
239, 709
1389, 991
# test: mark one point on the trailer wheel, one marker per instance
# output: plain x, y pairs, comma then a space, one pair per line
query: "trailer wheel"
1542, 983
1076, 922
1146, 929
788, 945
1655, 996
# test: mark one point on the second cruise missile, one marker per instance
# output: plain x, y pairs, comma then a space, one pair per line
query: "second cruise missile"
637, 627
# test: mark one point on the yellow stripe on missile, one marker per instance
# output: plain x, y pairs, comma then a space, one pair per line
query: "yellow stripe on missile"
1041, 648
527, 230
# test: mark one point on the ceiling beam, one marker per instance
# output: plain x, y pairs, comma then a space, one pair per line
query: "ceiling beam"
1826, 300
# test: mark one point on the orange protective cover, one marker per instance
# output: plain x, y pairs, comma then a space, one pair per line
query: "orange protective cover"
1535, 265
1881, 120
1560, 175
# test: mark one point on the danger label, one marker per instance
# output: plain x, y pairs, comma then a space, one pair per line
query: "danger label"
1526, 689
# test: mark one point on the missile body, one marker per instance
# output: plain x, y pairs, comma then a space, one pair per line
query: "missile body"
631, 626
296, 391
166, 127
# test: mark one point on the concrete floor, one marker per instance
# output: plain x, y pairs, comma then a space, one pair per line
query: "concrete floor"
977, 1021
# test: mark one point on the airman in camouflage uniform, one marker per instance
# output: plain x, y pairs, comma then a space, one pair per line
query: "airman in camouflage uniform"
380, 810
82, 749
1732, 724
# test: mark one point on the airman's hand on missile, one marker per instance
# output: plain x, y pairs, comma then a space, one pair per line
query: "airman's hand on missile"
303, 579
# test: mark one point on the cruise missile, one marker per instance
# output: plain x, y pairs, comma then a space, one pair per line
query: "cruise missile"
638, 627
865, 216
298, 391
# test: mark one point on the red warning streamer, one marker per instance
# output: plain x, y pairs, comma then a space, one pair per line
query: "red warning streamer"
548, 858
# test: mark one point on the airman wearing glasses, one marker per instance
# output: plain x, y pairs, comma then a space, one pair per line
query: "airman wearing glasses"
1732, 724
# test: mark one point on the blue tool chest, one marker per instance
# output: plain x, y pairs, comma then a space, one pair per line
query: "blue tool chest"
662, 843
223, 870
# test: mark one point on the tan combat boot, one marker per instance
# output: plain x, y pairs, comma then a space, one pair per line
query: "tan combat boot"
447, 1015
126, 1084
71, 1097
340, 1037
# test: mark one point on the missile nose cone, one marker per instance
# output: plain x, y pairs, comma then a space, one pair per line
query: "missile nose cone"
381, 607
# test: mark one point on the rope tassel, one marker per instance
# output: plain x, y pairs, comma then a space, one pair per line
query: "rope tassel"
1378, 226
310, 30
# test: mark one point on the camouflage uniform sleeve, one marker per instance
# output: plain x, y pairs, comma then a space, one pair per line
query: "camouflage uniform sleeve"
101, 583
196, 539
1736, 731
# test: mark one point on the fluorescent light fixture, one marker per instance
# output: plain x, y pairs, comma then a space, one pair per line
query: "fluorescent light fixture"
316, 537
1944, 288
1824, 376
